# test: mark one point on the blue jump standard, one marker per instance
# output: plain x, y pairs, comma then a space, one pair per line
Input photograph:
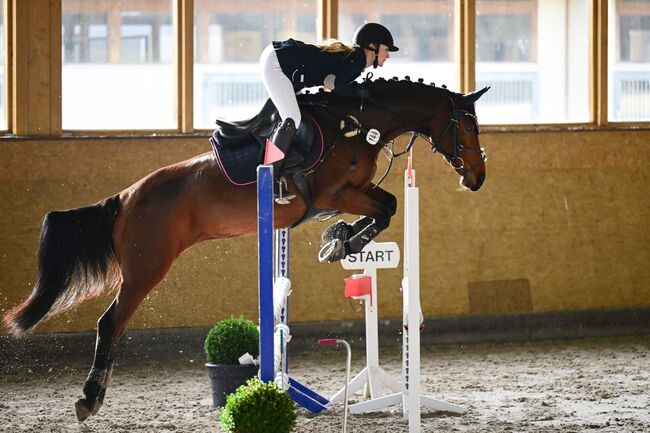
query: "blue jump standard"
300, 393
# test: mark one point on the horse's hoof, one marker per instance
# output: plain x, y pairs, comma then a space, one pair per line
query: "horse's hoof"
338, 230
96, 408
83, 412
332, 252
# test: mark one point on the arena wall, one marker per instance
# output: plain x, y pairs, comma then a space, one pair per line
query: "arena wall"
561, 224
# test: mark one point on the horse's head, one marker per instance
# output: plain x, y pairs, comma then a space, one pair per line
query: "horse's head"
455, 137
446, 119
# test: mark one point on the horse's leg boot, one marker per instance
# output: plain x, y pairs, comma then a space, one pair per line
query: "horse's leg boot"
361, 239
339, 230
344, 231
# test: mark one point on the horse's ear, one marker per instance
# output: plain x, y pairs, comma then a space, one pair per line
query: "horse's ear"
472, 97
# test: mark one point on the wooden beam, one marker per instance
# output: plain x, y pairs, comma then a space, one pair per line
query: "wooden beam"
465, 31
328, 24
36, 67
8, 47
598, 62
184, 58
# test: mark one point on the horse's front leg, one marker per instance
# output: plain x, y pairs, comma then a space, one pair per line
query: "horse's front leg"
377, 205
344, 230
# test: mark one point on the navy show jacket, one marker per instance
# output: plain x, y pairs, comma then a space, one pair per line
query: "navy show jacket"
307, 66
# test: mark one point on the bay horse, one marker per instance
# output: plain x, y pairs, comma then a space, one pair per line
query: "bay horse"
129, 241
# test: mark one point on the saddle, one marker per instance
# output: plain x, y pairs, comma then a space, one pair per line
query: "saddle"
233, 141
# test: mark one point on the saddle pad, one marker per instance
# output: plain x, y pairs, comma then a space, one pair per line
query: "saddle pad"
239, 163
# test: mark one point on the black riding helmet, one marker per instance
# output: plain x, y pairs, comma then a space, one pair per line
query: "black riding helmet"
369, 33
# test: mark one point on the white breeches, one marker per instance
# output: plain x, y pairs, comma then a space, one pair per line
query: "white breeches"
279, 86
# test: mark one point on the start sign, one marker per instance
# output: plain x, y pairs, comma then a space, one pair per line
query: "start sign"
376, 255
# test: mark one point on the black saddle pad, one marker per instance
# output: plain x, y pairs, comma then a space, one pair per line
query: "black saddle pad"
238, 155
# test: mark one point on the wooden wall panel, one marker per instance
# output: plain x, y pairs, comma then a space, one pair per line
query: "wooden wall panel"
36, 67
560, 211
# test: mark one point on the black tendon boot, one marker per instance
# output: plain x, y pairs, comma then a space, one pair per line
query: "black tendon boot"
281, 140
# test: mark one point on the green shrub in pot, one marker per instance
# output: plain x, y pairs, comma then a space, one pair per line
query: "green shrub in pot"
226, 342
231, 338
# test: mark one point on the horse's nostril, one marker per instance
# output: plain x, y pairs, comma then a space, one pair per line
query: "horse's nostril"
479, 181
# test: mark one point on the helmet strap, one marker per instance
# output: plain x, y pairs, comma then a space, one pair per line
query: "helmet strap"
376, 62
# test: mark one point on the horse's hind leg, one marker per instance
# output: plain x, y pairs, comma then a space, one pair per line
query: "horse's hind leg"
99, 376
110, 329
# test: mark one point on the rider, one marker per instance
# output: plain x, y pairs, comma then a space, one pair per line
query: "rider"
289, 66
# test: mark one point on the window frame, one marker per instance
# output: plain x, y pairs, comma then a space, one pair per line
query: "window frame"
464, 28
7, 85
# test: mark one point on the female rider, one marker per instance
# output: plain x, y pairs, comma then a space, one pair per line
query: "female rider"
289, 66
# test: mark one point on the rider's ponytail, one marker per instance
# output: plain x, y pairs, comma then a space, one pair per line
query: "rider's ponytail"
337, 47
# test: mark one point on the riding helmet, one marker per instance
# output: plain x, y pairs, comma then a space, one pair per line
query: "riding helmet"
369, 33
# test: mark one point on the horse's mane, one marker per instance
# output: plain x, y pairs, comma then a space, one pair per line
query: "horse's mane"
383, 89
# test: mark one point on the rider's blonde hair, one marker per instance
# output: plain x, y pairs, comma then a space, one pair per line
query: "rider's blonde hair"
336, 47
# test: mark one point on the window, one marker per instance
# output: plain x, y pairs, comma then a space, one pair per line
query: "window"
3, 80
230, 36
629, 60
85, 38
422, 29
118, 70
535, 56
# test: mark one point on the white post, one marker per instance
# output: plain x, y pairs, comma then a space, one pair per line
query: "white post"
411, 296
372, 333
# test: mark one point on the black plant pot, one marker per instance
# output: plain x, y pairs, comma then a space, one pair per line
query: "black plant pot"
227, 378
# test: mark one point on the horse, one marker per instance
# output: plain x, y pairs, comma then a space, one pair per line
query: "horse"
128, 242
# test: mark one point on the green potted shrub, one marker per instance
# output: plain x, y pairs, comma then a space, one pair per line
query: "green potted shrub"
258, 407
226, 342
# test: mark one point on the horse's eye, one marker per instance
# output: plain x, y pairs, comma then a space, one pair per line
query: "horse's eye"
469, 128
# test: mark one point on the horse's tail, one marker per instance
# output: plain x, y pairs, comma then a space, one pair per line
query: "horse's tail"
76, 261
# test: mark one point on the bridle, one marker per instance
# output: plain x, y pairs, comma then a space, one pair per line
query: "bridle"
453, 125
458, 146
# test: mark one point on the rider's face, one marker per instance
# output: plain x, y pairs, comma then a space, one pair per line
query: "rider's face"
383, 54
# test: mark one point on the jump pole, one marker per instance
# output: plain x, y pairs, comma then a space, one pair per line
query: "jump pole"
274, 289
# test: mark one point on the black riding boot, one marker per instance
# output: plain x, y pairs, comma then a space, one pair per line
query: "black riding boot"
282, 139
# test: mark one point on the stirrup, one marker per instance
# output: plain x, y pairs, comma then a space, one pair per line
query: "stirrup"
284, 196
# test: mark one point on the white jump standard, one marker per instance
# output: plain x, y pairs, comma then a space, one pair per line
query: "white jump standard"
408, 391
376, 255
